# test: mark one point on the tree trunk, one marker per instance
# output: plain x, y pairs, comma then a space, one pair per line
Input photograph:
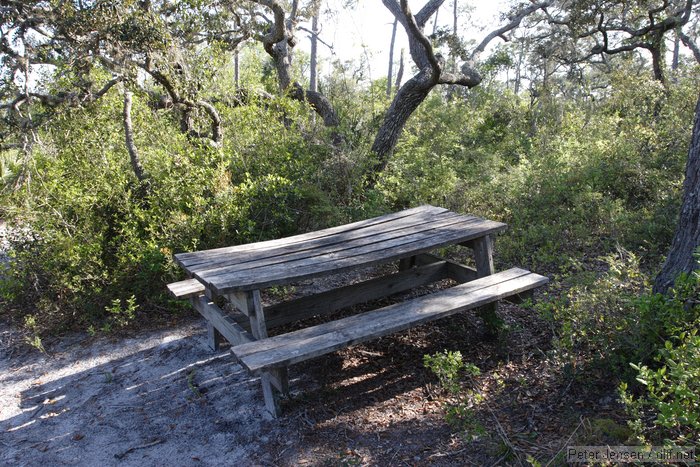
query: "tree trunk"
435, 21
399, 73
409, 97
318, 102
687, 237
657, 59
279, 44
129, 139
676, 51
454, 33
236, 71
313, 84
391, 59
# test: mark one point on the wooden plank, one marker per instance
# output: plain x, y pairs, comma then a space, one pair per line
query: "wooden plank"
344, 240
445, 295
483, 256
280, 380
427, 258
343, 297
186, 289
240, 301
183, 258
223, 323
214, 337
455, 271
407, 263
285, 273
250, 305
394, 318
270, 394
346, 248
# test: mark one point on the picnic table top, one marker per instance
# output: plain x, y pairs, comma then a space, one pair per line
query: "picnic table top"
351, 246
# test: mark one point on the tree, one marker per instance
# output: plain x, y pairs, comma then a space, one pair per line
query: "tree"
431, 69
279, 43
687, 237
611, 27
91, 47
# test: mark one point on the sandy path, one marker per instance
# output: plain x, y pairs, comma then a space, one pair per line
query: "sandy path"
163, 393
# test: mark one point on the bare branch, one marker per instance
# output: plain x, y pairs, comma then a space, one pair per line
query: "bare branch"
688, 42
216, 133
318, 38
514, 23
427, 11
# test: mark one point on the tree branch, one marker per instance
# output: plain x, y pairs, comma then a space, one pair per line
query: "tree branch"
514, 23
688, 42
427, 11
418, 36
277, 32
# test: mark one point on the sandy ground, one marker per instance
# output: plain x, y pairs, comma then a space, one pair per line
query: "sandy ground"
156, 398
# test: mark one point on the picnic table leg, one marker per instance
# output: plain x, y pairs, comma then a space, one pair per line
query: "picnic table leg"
407, 263
483, 256
214, 337
275, 382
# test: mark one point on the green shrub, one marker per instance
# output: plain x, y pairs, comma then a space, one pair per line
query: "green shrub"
452, 372
595, 318
667, 406
98, 254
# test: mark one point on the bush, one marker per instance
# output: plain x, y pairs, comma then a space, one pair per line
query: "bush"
668, 408
668, 386
97, 253
595, 318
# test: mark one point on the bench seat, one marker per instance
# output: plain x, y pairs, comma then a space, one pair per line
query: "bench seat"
286, 349
186, 289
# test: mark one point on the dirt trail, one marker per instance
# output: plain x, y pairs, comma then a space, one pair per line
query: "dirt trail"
157, 398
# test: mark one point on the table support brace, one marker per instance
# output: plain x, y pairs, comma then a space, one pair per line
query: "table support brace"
275, 381
483, 257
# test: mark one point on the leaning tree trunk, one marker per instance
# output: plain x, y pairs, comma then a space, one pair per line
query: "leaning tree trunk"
407, 100
431, 72
687, 237
129, 140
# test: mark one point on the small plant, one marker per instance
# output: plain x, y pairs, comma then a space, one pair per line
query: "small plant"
461, 417
120, 315
446, 366
450, 369
33, 339
671, 396
193, 386
667, 402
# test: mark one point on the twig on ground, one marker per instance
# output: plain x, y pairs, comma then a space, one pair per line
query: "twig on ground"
446, 454
503, 435
566, 389
565, 443
142, 446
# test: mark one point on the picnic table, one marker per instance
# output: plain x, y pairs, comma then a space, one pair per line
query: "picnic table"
239, 273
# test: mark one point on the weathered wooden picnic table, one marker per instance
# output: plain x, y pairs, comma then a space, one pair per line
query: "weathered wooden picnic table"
239, 273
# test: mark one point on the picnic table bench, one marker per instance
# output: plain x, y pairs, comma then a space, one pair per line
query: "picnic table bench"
238, 274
